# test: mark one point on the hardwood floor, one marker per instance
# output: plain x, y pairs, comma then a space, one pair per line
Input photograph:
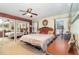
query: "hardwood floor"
60, 47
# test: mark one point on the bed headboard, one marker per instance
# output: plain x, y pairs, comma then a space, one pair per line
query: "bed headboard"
46, 30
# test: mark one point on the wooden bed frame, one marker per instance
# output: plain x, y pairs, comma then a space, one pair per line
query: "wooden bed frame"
46, 30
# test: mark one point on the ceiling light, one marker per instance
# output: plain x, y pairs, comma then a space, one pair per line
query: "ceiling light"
29, 14
1, 21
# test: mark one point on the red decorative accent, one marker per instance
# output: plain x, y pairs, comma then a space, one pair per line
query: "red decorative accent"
45, 30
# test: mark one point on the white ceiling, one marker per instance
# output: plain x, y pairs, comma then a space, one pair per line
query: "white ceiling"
42, 9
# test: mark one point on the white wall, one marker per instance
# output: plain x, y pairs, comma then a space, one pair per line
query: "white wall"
50, 22
75, 27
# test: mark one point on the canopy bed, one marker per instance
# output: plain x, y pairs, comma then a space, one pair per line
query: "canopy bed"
13, 30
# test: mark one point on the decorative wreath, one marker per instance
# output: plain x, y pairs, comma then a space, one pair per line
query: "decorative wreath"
45, 22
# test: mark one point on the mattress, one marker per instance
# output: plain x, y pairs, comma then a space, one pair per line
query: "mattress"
41, 40
11, 34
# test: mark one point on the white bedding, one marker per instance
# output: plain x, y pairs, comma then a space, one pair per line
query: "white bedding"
11, 34
41, 40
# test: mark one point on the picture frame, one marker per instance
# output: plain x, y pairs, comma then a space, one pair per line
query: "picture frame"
45, 22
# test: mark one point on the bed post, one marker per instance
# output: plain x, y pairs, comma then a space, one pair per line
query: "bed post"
54, 27
15, 35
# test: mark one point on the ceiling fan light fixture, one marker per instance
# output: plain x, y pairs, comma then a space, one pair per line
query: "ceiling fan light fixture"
29, 14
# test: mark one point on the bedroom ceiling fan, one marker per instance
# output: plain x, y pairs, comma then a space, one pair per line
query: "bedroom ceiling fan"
28, 12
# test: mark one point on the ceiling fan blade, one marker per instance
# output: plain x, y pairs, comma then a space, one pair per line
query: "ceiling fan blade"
22, 11
34, 14
29, 10
24, 14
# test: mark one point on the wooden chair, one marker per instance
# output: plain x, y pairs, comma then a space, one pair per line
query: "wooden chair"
72, 44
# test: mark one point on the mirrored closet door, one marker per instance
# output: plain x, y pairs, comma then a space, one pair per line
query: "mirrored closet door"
6, 30
21, 28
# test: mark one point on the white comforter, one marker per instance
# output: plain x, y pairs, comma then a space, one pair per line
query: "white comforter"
41, 40
11, 34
